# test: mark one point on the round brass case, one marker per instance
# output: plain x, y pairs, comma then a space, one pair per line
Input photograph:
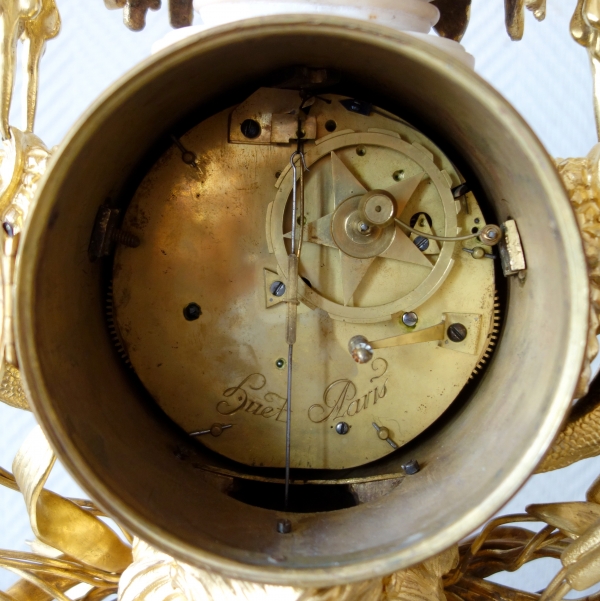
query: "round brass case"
143, 471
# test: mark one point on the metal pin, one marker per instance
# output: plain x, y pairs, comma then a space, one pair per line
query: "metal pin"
215, 430
187, 156
384, 434
479, 253
292, 300
284, 526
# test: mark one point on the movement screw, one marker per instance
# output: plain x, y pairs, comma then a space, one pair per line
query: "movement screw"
457, 332
277, 288
422, 243
280, 363
410, 319
342, 428
125, 238
250, 129
284, 526
192, 312
398, 175
412, 467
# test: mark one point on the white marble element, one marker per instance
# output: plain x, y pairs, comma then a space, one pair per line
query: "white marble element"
416, 17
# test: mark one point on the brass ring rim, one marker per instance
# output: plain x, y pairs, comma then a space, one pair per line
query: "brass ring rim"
430, 283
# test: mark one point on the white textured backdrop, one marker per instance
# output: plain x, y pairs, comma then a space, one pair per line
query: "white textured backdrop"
546, 77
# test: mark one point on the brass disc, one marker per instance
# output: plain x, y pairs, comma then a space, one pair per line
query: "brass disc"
346, 232
214, 236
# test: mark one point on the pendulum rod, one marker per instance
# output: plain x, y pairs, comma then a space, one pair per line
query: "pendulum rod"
292, 295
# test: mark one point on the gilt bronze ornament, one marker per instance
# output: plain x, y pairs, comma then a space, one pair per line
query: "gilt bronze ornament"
267, 298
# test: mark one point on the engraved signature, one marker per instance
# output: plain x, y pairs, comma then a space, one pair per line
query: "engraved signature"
270, 405
340, 400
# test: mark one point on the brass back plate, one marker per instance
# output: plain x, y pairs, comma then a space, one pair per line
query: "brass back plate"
204, 240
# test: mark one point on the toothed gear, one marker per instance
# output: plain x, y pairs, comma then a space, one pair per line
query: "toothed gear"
492, 338
113, 330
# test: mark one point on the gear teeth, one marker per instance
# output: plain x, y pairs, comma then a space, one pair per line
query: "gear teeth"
492, 338
115, 336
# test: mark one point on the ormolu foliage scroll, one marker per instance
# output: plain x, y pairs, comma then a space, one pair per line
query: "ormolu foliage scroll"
580, 438
571, 534
58, 522
72, 546
34, 22
455, 15
23, 158
454, 18
585, 26
515, 15
154, 576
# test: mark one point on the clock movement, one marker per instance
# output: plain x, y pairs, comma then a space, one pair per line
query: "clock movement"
225, 366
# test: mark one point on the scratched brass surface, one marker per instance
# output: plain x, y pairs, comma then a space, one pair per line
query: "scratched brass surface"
208, 237
142, 471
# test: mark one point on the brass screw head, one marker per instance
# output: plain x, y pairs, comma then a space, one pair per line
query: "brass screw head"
284, 526
490, 234
342, 428
383, 433
457, 332
410, 319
